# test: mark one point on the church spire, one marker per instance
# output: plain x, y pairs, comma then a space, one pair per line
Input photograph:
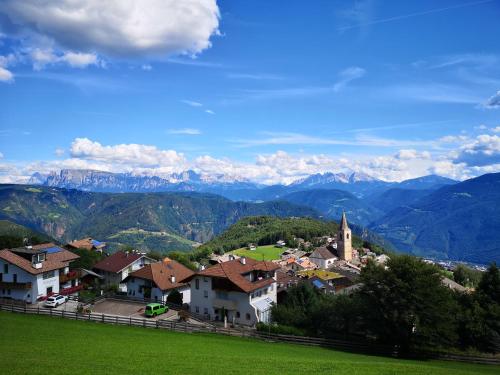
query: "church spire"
343, 222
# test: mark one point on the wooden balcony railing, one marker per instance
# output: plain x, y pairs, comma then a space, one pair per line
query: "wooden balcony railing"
10, 285
71, 275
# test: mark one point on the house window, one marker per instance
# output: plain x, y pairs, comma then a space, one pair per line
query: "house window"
205, 279
205, 293
14, 278
48, 275
197, 309
237, 314
248, 316
5, 268
205, 310
197, 283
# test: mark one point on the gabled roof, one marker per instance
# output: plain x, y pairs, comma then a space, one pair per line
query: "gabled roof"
322, 253
161, 274
86, 243
53, 261
117, 262
234, 271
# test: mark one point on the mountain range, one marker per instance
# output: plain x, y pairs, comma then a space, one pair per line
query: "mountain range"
160, 221
428, 216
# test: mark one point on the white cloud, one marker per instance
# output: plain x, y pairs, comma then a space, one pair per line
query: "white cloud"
496, 129
59, 152
493, 102
348, 75
481, 151
410, 154
134, 155
146, 67
6, 75
184, 131
131, 28
43, 57
209, 111
192, 103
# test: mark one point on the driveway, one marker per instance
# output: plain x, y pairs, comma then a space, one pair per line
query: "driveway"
128, 309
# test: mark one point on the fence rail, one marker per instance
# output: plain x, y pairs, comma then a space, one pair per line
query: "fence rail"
185, 327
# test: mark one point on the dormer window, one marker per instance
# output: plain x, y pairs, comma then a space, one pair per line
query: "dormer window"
38, 258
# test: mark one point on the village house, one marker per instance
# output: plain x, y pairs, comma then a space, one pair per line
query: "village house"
241, 291
88, 244
157, 280
322, 257
33, 273
115, 268
302, 264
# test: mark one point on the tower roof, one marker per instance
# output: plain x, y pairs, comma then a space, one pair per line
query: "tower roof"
343, 222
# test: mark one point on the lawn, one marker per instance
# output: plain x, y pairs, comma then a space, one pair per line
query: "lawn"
322, 274
40, 345
269, 252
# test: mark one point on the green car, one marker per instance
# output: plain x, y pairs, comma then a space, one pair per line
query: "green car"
154, 309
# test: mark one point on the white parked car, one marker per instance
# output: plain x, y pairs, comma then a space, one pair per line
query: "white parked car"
56, 300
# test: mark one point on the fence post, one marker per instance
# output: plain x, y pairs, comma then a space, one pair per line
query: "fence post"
144, 322
89, 316
130, 321
38, 310
103, 317
62, 313
157, 324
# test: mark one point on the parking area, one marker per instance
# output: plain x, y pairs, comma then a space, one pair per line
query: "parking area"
68, 306
129, 309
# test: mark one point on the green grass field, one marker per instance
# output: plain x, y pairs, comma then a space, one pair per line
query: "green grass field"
269, 252
31, 344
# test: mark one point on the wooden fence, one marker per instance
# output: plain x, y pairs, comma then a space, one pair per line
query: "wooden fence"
351, 346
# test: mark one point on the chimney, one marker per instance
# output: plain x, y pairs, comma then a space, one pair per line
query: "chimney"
243, 260
172, 279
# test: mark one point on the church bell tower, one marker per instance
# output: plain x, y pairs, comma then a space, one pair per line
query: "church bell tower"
344, 240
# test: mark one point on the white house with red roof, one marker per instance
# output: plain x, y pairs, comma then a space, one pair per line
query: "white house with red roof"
157, 280
116, 267
241, 290
35, 272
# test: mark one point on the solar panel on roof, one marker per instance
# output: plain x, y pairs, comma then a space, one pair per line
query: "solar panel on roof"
95, 243
318, 284
52, 250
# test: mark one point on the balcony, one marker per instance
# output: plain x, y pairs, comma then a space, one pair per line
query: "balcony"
9, 285
71, 290
71, 275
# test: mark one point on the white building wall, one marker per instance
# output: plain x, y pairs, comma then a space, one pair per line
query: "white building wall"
39, 285
202, 301
135, 290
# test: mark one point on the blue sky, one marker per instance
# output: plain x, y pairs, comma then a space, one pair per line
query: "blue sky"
255, 90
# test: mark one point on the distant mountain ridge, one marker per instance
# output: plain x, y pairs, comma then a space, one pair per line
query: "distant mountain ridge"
154, 221
460, 222
101, 181
234, 188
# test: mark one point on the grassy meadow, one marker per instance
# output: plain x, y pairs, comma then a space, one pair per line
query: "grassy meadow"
40, 345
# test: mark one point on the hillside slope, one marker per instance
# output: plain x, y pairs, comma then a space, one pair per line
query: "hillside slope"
168, 220
331, 203
460, 222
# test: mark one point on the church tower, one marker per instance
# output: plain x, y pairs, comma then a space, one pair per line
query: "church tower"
344, 240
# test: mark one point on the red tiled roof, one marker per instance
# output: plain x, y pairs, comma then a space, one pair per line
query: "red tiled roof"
161, 272
84, 243
117, 261
52, 262
234, 271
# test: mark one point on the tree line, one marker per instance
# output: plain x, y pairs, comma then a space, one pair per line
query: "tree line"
404, 304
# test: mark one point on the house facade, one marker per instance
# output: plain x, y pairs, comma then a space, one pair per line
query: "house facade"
115, 268
157, 280
322, 257
35, 272
241, 291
